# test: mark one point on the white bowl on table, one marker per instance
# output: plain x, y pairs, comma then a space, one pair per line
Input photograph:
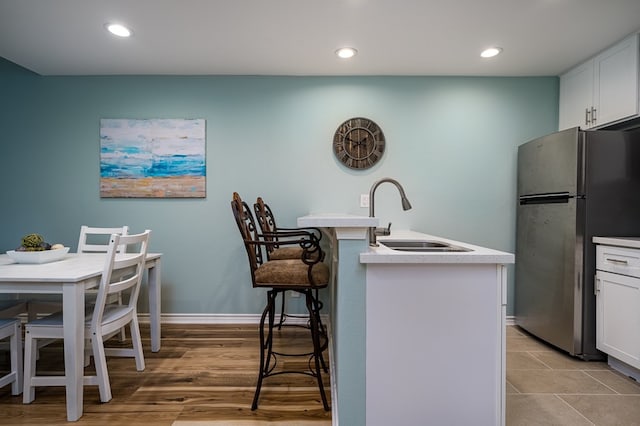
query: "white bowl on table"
44, 256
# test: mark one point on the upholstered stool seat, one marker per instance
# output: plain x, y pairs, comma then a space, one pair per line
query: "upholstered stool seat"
290, 273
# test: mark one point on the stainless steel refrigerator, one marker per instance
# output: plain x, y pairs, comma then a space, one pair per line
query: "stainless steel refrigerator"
572, 185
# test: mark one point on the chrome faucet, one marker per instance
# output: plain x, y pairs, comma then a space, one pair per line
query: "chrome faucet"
406, 205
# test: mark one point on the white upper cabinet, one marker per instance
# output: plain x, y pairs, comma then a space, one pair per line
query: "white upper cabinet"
576, 96
602, 90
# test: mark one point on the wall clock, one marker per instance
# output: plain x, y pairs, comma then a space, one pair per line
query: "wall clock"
358, 143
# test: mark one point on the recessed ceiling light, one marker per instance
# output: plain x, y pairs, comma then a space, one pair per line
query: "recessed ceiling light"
118, 29
491, 52
346, 52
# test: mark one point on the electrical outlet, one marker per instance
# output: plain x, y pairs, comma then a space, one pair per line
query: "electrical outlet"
364, 200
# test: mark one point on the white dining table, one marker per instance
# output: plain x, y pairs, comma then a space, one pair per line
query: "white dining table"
70, 277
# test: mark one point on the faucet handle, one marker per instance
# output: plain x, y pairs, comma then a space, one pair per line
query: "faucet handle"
384, 231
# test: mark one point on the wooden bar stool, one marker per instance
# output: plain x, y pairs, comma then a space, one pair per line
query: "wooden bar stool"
270, 231
303, 275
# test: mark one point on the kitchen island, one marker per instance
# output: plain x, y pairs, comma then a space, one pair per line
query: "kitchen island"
417, 338
435, 333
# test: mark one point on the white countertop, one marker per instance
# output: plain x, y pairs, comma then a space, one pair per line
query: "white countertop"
631, 242
476, 254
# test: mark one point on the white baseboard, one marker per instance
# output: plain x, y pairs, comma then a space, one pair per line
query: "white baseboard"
217, 319
235, 319
203, 318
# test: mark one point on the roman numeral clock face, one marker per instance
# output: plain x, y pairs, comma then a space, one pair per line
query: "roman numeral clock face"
358, 143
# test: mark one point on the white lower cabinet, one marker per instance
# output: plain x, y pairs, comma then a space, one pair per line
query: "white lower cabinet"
619, 316
435, 344
617, 289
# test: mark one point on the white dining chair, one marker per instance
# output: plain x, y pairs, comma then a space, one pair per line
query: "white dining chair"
122, 274
96, 239
92, 240
12, 329
10, 309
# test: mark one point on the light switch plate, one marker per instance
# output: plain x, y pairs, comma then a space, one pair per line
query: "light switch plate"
364, 200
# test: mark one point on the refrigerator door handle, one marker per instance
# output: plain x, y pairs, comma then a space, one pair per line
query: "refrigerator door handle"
556, 197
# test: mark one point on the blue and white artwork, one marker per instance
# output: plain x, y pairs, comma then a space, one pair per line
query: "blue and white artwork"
153, 158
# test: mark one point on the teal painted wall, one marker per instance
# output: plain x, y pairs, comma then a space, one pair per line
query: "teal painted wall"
451, 142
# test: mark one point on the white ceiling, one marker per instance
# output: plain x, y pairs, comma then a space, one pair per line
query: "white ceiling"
299, 37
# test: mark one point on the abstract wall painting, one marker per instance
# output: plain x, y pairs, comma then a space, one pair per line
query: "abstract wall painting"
153, 158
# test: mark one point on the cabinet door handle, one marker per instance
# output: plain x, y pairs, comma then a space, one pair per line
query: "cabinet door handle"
618, 261
593, 116
587, 121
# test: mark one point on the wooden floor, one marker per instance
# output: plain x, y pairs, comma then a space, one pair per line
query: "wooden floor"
205, 375
202, 373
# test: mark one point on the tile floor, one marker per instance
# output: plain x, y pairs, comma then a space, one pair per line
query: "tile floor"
547, 387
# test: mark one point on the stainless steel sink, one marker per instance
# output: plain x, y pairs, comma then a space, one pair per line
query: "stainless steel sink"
422, 246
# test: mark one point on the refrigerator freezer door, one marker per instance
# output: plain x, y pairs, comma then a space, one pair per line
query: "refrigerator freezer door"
548, 274
551, 164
